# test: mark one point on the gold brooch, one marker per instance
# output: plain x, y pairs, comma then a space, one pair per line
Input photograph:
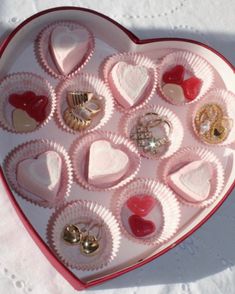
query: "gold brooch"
144, 138
211, 124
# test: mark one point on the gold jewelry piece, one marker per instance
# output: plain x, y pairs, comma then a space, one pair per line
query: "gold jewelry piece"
83, 107
211, 124
143, 136
73, 119
72, 234
93, 106
89, 243
78, 98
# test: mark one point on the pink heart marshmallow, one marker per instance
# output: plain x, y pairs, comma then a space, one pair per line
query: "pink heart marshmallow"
41, 176
68, 47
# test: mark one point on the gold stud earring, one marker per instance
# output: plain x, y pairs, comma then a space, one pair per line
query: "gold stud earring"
72, 234
90, 244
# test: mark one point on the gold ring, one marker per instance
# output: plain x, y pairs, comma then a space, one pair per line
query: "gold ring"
78, 98
73, 119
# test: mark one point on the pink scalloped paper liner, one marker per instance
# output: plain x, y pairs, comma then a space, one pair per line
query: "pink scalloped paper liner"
78, 212
128, 121
167, 204
42, 51
134, 59
19, 83
31, 149
187, 155
226, 100
79, 154
193, 64
88, 83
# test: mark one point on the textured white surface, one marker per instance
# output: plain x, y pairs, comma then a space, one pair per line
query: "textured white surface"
205, 262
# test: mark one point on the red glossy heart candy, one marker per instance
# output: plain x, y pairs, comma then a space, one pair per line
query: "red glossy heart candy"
141, 205
174, 76
34, 105
191, 87
141, 227
22, 101
38, 108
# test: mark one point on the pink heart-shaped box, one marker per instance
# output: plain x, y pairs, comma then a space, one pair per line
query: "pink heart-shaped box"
113, 34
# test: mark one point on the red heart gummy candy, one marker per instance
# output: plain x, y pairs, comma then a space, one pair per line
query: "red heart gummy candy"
141, 205
141, 227
21, 101
191, 87
38, 108
174, 76
34, 105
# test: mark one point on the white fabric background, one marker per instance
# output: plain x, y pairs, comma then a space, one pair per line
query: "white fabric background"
205, 262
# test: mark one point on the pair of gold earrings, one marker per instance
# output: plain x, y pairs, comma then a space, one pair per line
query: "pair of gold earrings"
89, 243
83, 106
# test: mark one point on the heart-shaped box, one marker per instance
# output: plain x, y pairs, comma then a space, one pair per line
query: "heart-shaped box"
110, 38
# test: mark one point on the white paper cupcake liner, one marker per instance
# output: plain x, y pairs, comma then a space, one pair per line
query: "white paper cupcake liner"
134, 59
31, 149
77, 212
187, 155
128, 122
18, 83
194, 65
79, 154
166, 214
42, 51
88, 83
226, 100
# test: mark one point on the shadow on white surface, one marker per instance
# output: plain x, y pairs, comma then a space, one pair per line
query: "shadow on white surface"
222, 42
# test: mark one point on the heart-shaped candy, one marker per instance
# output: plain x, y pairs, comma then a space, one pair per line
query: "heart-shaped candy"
68, 47
141, 227
191, 87
34, 105
192, 181
22, 122
174, 75
22, 101
41, 176
174, 93
130, 81
106, 164
141, 205
38, 108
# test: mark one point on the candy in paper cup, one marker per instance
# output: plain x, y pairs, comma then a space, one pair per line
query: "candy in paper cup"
226, 102
33, 150
47, 46
136, 68
129, 123
84, 83
93, 219
194, 66
80, 153
184, 157
27, 102
165, 214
